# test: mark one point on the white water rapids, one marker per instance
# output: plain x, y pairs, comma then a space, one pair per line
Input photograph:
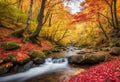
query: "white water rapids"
50, 65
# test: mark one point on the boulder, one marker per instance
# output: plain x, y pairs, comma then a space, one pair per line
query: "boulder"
4, 68
9, 58
93, 59
39, 60
38, 57
17, 58
75, 59
36, 54
22, 68
87, 59
10, 45
115, 51
81, 52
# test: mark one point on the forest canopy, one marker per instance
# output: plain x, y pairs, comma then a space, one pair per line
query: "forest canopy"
59, 25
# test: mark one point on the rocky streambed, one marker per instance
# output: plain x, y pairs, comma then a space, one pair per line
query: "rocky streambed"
62, 65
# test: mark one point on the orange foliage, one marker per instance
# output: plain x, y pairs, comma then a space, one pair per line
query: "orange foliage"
90, 10
6, 65
21, 56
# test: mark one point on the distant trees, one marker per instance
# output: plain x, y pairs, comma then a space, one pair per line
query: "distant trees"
44, 16
101, 12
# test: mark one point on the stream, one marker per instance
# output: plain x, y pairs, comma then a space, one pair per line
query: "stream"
53, 70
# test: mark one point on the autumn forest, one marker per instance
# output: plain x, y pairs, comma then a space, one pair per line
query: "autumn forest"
59, 40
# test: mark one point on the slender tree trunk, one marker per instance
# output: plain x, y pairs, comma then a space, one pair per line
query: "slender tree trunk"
100, 26
19, 32
115, 14
111, 12
63, 36
50, 20
29, 15
112, 15
33, 37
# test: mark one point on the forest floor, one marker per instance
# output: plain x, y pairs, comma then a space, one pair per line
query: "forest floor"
104, 72
24, 49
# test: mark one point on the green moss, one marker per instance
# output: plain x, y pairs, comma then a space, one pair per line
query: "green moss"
10, 58
36, 54
10, 45
26, 38
18, 33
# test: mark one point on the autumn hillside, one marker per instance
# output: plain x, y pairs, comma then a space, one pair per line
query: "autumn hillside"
60, 37
20, 55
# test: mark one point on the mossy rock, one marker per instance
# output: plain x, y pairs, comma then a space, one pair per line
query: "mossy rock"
15, 61
37, 57
39, 60
36, 54
93, 59
10, 45
12, 58
115, 51
4, 68
46, 52
87, 59
75, 59
18, 33
9, 58
22, 68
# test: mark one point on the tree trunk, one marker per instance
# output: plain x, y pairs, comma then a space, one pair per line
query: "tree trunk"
33, 37
112, 15
111, 12
100, 26
19, 32
29, 15
115, 14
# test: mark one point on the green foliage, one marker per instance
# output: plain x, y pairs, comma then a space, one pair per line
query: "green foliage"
10, 45
10, 11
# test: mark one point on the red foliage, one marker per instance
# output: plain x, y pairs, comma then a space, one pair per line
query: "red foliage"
23, 50
90, 10
81, 18
105, 72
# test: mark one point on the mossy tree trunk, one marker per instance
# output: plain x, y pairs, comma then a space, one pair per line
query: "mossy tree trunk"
19, 32
34, 35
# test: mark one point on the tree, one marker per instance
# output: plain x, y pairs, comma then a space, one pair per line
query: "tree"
34, 35
91, 9
19, 32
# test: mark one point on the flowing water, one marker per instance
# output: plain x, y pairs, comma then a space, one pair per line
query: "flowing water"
53, 70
